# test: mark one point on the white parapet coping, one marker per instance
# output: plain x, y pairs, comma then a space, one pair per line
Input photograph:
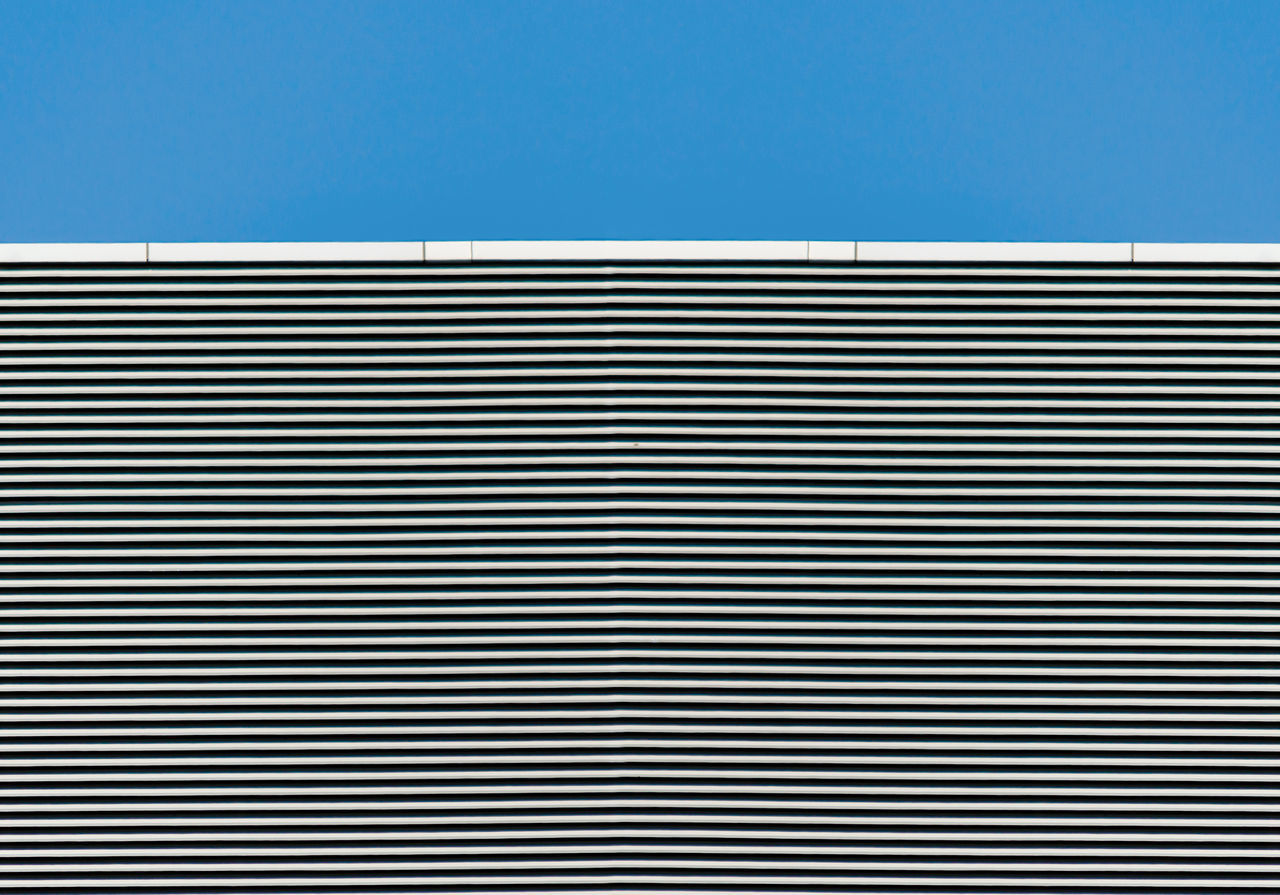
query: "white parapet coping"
833, 252
639, 250
624, 251
996, 252
446, 252
73, 252
214, 252
1206, 252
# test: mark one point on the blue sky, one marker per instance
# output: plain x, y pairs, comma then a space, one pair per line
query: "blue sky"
1032, 120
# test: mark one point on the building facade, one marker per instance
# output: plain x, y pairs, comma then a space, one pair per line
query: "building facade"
640, 567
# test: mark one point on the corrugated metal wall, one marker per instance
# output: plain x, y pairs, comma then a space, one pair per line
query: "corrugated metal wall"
639, 578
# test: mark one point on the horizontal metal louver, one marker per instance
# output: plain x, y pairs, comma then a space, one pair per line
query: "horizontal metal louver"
639, 576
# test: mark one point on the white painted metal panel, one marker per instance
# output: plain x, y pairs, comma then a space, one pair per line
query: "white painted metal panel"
253, 252
1010, 252
73, 252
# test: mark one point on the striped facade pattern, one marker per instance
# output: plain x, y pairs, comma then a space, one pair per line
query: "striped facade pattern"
639, 577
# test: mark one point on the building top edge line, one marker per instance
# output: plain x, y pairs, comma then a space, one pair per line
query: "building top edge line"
778, 251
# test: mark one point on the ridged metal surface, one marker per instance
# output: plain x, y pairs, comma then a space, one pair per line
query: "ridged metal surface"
639, 578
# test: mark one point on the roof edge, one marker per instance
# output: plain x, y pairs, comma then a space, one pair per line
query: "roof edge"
467, 251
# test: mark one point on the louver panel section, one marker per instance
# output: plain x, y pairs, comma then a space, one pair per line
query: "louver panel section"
648, 577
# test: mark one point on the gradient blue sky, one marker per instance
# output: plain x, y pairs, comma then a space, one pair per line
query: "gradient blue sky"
1032, 120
